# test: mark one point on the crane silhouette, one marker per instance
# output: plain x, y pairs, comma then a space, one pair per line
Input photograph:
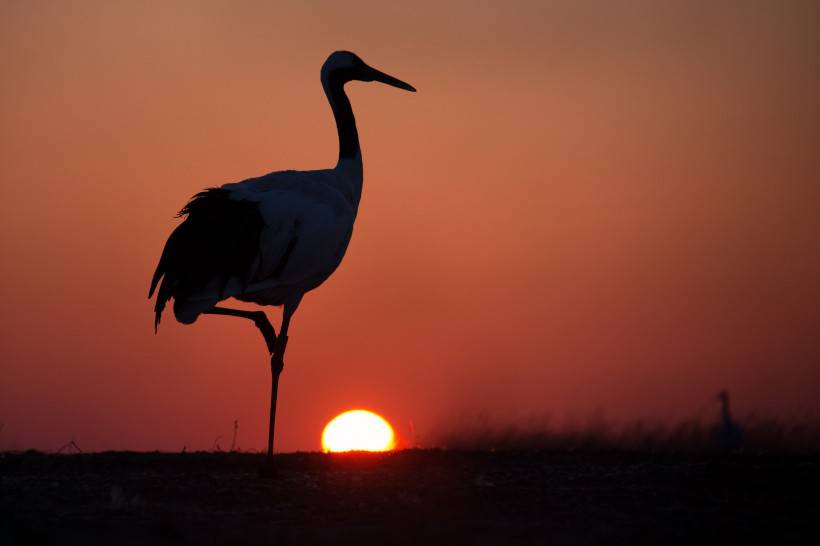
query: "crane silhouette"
728, 433
270, 239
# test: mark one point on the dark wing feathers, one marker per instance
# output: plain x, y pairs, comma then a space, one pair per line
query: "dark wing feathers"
218, 239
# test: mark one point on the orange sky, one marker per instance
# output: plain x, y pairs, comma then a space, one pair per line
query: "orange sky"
584, 209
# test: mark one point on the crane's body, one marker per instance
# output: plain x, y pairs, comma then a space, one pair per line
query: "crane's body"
317, 210
299, 221
269, 240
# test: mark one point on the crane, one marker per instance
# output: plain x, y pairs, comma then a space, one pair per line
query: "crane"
270, 239
728, 433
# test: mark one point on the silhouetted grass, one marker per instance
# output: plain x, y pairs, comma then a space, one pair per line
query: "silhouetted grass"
760, 435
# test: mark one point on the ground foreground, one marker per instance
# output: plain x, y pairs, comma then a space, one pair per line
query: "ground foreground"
408, 497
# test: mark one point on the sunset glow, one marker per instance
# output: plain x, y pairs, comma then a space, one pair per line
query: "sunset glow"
358, 430
586, 209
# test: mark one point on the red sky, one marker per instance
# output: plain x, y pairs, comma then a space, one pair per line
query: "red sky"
584, 209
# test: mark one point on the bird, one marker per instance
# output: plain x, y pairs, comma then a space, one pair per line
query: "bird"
269, 240
728, 433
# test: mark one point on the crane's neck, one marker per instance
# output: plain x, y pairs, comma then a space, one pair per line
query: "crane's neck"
349, 165
345, 122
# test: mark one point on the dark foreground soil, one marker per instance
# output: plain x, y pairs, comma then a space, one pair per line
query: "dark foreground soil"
408, 497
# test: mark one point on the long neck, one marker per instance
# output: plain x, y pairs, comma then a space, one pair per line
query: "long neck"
345, 122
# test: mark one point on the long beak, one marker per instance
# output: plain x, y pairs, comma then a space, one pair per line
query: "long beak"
380, 76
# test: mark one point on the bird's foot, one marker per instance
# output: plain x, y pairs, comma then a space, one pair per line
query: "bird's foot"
277, 357
259, 318
280, 344
261, 321
277, 363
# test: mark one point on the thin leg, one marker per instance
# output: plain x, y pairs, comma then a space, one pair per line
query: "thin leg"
259, 318
276, 347
277, 364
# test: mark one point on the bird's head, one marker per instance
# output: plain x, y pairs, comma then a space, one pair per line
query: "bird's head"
344, 66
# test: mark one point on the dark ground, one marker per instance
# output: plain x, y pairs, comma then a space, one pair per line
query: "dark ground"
409, 497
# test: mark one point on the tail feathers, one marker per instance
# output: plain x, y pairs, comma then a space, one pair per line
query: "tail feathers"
166, 290
218, 241
165, 273
155, 279
187, 306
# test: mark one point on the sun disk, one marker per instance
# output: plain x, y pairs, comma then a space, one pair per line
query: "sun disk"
358, 430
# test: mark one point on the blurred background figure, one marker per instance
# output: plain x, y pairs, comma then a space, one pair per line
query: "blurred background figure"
729, 434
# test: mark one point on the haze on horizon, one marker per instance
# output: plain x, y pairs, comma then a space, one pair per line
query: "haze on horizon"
585, 208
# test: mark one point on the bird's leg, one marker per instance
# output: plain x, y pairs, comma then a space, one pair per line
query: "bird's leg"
276, 347
273, 343
259, 318
277, 364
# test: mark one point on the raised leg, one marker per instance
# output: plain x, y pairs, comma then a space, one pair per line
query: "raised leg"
259, 318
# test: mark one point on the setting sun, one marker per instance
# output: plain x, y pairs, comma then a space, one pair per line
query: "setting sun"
358, 430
